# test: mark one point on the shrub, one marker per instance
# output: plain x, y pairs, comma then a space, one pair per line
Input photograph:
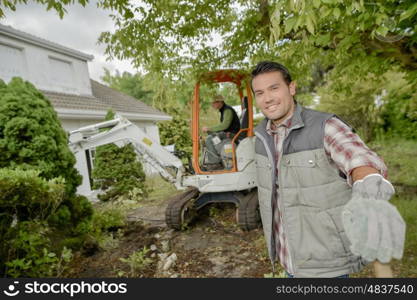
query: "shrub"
31, 137
29, 253
118, 171
108, 223
27, 201
399, 110
138, 261
176, 131
25, 196
38, 181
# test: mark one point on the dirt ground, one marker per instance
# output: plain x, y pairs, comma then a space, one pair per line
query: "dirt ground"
212, 246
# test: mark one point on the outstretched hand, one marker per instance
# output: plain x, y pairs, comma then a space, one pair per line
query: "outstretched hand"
374, 226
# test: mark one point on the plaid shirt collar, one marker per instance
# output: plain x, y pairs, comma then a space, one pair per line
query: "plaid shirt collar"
295, 121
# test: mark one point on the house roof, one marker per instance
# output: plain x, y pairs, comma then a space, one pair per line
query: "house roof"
95, 107
23, 36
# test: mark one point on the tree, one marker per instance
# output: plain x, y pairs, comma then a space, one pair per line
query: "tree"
340, 35
31, 135
340, 42
31, 138
384, 104
169, 36
26, 203
59, 5
399, 109
359, 107
127, 83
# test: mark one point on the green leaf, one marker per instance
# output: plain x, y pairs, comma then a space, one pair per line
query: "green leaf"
336, 13
323, 39
310, 25
382, 30
316, 3
289, 24
409, 12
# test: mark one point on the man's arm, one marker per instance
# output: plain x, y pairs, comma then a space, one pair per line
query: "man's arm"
350, 154
357, 161
361, 172
227, 120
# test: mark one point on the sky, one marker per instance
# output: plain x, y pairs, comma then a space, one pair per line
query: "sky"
79, 30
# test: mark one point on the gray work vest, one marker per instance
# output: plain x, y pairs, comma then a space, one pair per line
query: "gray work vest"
311, 196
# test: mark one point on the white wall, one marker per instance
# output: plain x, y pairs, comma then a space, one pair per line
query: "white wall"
46, 69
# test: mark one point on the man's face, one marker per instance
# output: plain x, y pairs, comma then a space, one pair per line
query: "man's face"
217, 104
274, 97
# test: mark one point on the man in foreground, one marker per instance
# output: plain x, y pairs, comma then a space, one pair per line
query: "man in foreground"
322, 192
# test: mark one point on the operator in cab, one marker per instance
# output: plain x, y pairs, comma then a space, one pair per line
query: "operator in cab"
217, 135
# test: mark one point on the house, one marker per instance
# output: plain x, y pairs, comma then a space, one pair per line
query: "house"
62, 75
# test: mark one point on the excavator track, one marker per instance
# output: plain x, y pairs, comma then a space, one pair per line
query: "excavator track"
180, 209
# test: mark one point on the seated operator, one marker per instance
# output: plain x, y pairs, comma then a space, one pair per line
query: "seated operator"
228, 127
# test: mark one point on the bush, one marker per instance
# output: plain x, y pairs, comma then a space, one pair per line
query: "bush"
27, 201
399, 110
138, 261
29, 253
108, 222
176, 131
117, 171
354, 104
31, 137
38, 181
25, 196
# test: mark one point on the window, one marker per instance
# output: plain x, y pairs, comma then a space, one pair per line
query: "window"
12, 62
61, 73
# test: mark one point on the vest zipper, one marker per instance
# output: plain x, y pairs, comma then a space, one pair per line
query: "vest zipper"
279, 202
284, 223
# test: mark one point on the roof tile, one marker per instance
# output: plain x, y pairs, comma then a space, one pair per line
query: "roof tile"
103, 99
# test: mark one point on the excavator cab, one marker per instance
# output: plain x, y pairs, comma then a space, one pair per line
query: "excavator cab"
236, 182
229, 145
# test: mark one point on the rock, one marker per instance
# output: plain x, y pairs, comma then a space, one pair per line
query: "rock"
170, 262
161, 262
165, 246
162, 256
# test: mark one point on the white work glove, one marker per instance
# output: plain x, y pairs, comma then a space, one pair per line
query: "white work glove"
374, 226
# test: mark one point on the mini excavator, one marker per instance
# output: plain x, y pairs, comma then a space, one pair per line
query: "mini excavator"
236, 183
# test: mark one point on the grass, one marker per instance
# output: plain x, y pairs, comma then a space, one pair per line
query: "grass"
407, 206
401, 159
160, 189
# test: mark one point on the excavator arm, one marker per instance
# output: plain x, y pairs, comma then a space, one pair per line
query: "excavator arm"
122, 132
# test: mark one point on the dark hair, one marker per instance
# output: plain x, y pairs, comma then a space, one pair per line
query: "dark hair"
270, 66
